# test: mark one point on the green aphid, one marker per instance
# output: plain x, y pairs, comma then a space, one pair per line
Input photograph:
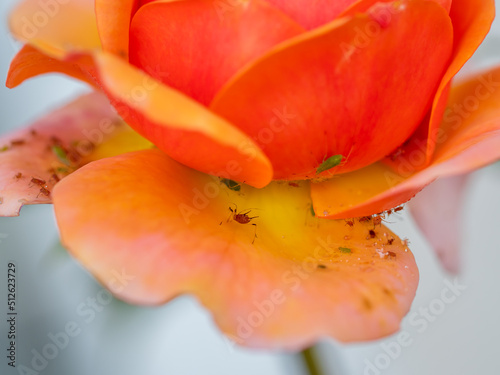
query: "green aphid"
4, 148
232, 185
329, 163
312, 211
61, 155
345, 250
62, 170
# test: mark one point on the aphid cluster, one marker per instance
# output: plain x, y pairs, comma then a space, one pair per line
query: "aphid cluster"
44, 189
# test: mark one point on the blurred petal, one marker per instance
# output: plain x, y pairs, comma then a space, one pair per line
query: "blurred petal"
56, 28
30, 62
471, 22
469, 138
56, 145
437, 210
206, 45
283, 283
346, 88
113, 22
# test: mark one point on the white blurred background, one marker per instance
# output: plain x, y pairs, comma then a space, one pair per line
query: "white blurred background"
180, 338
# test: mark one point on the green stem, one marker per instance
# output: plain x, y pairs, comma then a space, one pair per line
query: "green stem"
310, 359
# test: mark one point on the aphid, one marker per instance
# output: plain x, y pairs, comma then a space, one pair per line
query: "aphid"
377, 220
294, 184
44, 191
4, 148
397, 209
371, 233
38, 181
232, 185
349, 222
17, 142
61, 154
18, 175
364, 219
242, 218
33, 132
345, 250
391, 254
312, 210
55, 177
55, 141
321, 266
329, 163
390, 241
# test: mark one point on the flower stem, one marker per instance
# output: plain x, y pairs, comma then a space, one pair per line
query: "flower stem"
311, 363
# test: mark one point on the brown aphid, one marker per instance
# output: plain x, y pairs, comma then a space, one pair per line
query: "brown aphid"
294, 184
377, 220
44, 191
55, 177
391, 254
371, 234
397, 209
18, 175
364, 219
17, 142
33, 132
55, 141
322, 266
349, 222
390, 241
38, 181
243, 218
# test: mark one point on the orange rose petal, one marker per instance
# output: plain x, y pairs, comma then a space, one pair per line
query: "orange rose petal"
469, 139
312, 14
184, 129
342, 100
283, 283
84, 130
471, 22
29, 62
56, 28
113, 21
231, 36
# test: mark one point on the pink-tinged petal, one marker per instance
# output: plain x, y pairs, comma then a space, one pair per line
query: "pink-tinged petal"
283, 283
55, 28
345, 91
437, 210
469, 138
206, 45
113, 22
34, 159
471, 22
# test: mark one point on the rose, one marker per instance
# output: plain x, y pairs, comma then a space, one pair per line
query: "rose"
275, 101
